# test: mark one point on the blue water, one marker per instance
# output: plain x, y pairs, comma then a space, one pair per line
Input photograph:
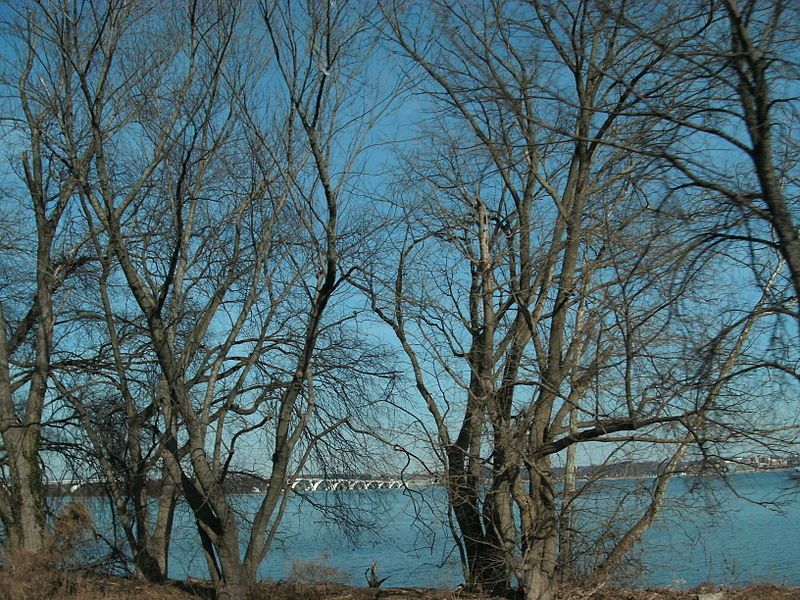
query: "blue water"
739, 542
402, 529
706, 534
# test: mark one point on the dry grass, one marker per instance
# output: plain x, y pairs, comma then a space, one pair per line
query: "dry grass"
48, 572
53, 573
768, 592
752, 592
317, 571
95, 588
43, 586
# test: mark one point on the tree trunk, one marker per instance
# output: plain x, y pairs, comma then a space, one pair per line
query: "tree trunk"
21, 432
233, 582
486, 568
147, 566
540, 562
152, 556
158, 544
566, 568
539, 584
540, 534
27, 531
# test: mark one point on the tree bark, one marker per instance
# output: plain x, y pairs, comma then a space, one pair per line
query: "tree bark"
27, 529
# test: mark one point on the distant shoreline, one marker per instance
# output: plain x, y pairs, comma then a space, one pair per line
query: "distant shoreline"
96, 488
701, 475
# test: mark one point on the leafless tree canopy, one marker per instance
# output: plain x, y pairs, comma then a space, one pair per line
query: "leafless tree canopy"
267, 238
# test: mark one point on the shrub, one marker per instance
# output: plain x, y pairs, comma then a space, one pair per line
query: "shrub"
47, 574
317, 572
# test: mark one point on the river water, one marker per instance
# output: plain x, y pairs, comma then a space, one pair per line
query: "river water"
707, 533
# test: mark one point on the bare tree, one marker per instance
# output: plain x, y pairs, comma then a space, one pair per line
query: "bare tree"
215, 199
67, 79
553, 260
50, 145
542, 274
119, 411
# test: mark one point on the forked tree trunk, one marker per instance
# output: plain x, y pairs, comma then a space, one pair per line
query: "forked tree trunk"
151, 559
488, 573
486, 570
158, 544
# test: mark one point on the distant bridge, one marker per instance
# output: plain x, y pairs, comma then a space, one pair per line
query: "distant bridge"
313, 484
73, 485
300, 484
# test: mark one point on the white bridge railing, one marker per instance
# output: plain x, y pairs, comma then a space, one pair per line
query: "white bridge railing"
310, 484
300, 484
73, 485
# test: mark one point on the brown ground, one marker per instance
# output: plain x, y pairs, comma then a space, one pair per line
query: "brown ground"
15, 585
